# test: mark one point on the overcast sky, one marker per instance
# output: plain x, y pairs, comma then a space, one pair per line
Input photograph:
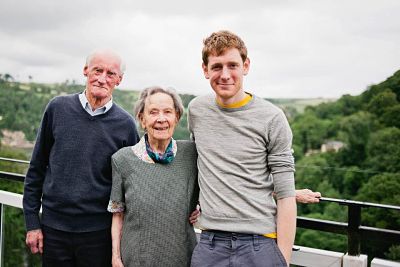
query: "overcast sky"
297, 48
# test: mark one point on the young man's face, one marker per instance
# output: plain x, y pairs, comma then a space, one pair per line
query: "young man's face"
225, 73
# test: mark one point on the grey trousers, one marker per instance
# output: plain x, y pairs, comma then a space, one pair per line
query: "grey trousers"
220, 249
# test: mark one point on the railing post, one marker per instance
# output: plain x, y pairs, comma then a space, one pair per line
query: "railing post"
353, 231
1, 233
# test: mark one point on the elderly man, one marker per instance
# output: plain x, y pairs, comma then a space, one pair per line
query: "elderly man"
70, 170
241, 140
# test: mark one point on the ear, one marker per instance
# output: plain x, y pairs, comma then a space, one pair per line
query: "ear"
119, 79
205, 71
246, 66
142, 121
85, 70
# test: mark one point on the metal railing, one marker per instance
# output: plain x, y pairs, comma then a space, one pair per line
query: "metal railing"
356, 233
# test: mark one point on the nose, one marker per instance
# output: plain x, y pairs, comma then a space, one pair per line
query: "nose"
161, 117
102, 77
225, 73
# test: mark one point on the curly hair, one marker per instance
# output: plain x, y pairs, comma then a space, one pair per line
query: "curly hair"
218, 42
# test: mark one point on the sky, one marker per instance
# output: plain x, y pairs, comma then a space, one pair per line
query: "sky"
297, 49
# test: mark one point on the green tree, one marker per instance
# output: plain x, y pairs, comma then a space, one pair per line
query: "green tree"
381, 102
383, 150
384, 189
354, 131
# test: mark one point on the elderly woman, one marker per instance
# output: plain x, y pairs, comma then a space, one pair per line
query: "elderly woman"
154, 188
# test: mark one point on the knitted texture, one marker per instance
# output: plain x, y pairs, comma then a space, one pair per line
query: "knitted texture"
158, 199
70, 169
238, 150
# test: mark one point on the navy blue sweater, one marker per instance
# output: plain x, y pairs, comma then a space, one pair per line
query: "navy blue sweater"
70, 170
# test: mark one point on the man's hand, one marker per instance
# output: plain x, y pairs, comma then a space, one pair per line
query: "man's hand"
307, 196
34, 240
194, 216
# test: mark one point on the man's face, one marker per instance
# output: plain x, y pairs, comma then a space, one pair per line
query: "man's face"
103, 74
225, 73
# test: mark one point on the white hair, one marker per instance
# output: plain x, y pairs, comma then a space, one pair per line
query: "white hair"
90, 57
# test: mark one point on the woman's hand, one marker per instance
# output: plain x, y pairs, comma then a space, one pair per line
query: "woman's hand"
117, 262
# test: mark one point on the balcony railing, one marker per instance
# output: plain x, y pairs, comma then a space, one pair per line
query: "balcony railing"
302, 256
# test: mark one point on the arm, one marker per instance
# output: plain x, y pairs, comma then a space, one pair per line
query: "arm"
286, 226
307, 196
116, 233
34, 183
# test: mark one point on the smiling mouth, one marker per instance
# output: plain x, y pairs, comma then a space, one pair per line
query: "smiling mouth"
161, 128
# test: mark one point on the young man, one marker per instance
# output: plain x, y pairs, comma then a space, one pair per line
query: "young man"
70, 171
241, 139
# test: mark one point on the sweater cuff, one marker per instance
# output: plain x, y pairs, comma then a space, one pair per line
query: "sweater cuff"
32, 222
284, 184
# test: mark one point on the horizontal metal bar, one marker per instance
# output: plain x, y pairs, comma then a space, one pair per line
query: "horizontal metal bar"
322, 225
15, 160
359, 203
12, 176
380, 235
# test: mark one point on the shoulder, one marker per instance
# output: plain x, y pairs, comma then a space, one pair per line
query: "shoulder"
201, 101
63, 99
122, 116
266, 105
122, 153
186, 146
61, 102
121, 112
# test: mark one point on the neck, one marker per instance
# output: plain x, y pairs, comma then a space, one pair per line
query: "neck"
158, 146
228, 101
96, 102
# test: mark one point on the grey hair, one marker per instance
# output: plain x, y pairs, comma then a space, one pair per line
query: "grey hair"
140, 103
90, 57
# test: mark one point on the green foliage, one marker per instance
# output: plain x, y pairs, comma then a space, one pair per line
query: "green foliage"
309, 131
385, 189
381, 102
394, 253
354, 131
383, 150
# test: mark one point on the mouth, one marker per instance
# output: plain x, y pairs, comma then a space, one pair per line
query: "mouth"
161, 128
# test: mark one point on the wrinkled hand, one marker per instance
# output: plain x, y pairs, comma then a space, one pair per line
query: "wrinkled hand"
194, 216
307, 196
34, 240
117, 262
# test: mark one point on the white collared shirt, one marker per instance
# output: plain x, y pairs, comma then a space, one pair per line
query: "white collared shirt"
98, 111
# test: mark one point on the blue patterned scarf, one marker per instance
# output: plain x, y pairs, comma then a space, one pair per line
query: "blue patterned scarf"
163, 158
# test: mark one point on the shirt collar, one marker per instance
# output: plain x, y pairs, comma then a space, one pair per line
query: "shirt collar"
86, 105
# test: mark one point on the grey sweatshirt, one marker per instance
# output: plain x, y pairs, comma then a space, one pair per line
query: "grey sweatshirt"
238, 150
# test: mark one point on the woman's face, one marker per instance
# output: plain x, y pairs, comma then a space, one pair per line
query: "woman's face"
159, 117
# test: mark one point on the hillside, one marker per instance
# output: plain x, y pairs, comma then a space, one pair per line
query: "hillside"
22, 105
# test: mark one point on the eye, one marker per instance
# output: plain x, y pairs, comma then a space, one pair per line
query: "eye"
111, 74
98, 71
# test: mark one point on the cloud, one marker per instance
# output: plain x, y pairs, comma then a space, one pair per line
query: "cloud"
297, 48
